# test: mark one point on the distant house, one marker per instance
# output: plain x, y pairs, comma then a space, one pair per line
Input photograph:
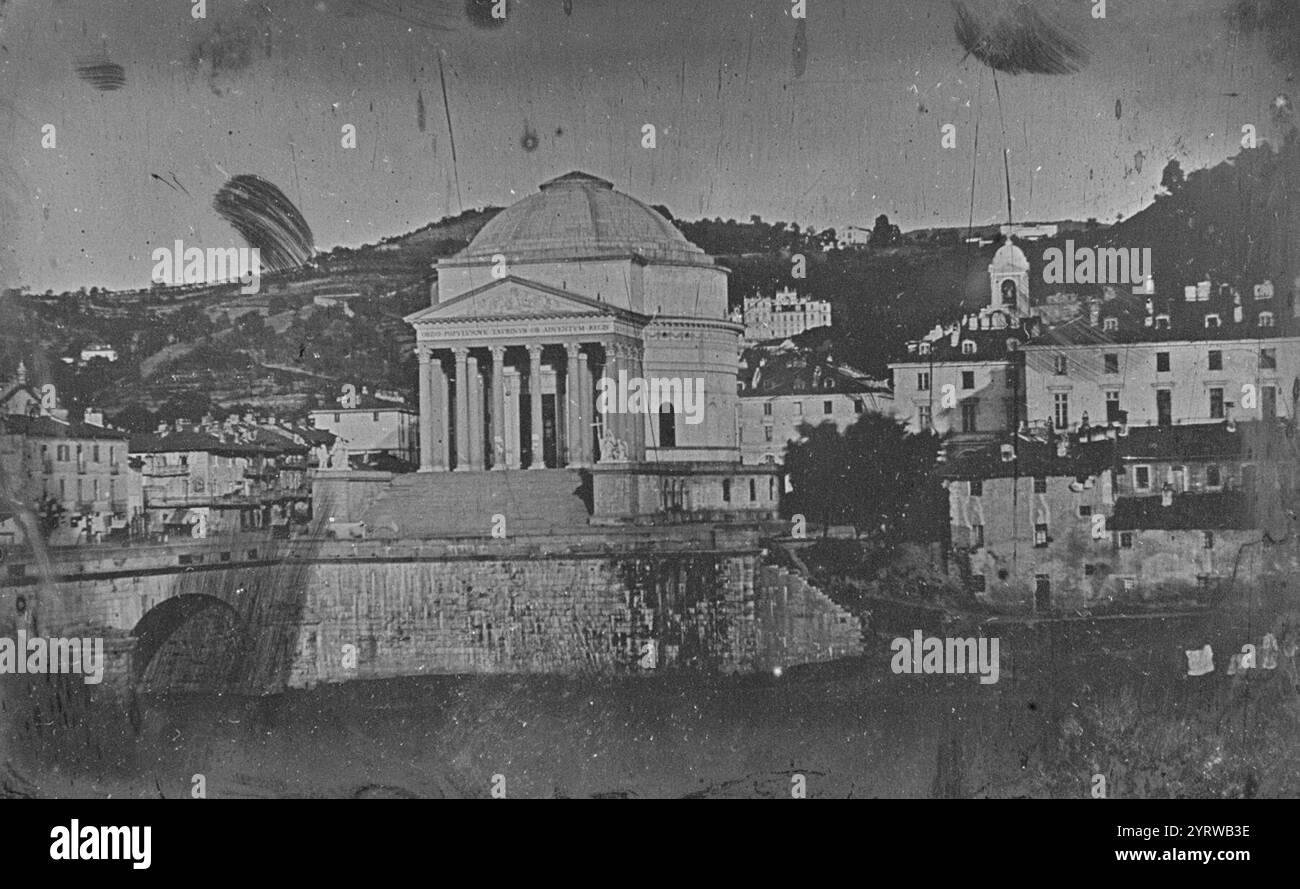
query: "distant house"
103, 350
784, 385
783, 315
200, 482
372, 424
73, 476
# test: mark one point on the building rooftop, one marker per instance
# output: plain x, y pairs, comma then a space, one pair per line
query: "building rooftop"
579, 215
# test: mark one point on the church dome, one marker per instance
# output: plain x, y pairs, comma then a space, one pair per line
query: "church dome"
1009, 258
581, 216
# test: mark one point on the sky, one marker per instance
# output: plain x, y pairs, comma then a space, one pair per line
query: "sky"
741, 127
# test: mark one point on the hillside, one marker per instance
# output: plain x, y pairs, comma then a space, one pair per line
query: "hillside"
184, 350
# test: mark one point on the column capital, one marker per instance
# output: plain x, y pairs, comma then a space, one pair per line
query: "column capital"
461, 352
498, 353
572, 347
535, 348
424, 353
582, 356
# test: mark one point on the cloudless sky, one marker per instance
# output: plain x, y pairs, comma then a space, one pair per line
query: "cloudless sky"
265, 88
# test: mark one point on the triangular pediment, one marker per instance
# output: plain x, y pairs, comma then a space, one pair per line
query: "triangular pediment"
511, 298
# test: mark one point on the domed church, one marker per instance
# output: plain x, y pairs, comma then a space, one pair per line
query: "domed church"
581, 331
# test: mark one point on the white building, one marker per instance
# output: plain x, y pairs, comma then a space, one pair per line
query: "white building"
783, 315
783, 387
368, 425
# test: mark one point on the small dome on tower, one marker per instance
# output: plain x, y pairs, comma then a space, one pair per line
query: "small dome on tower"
1009, 258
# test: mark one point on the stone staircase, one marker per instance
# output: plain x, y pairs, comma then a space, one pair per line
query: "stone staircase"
463, 504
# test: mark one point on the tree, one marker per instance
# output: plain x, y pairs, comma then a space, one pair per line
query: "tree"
48, 513
1172, 179
874, 474
883, 234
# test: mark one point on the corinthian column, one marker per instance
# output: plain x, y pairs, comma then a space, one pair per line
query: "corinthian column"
475, 414
572, 407
585, 406
426, 409
498, 422
462, 409
535, 403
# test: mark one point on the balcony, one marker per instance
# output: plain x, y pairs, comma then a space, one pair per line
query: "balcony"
166, 471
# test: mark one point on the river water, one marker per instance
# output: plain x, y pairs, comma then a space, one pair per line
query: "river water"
1071, 695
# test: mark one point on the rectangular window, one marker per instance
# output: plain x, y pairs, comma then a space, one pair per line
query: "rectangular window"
970, 411
1125, 539
1208, 542
767, 409
1111, 360
977, 536
374, 417
1085, 510
1040, 484
1040, 535
923, 382
1216, 402
1216, 359
1162, 362
1061, 365
1213, 476
1268, 359
1142, 478
1061, 409
1164, 407
968, 379
798, 408
977, 487
1268, 402
977, 583
923, 417
828, 407
1112, 407
94, 453
767, 433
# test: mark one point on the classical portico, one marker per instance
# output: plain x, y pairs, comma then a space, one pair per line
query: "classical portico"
582, 340
507, 379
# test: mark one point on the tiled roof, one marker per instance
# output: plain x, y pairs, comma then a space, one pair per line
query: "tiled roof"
48, 427
366, 402
1032, 458
1202, 511
173, 442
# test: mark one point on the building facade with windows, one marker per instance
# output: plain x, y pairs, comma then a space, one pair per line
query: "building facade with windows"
783, 387
965, 379
370, 424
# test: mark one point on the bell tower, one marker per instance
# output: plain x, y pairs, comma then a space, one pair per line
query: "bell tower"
1009, 280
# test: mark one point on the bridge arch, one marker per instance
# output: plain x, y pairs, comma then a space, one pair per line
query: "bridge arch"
161, 623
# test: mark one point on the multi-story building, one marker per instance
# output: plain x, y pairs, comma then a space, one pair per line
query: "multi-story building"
784, 386
1104, 517
73, 476
1158, 361
964, 379
369, 425
202, 482
782, 316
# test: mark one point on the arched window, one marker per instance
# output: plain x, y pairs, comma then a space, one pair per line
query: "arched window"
1265, 319
667, 426
968, 347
